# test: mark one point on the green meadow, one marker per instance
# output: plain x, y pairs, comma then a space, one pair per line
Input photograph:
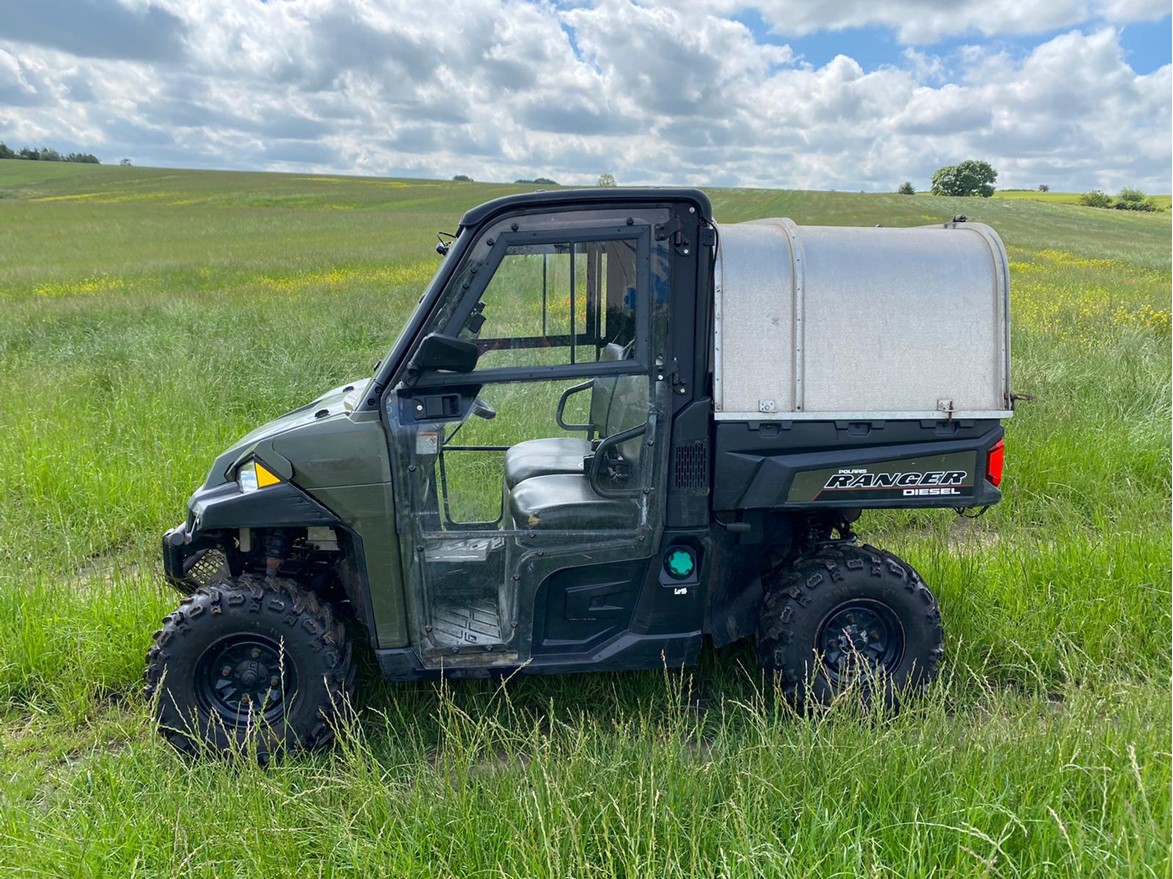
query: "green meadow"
152, 316
1160, 201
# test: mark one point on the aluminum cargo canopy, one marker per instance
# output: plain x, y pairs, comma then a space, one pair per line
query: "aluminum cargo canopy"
846, 323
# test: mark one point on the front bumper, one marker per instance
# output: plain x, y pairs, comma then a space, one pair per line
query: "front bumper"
195, 553
174, 543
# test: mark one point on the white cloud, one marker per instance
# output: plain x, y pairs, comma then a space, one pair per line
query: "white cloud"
665, 62
501, 89
927, 21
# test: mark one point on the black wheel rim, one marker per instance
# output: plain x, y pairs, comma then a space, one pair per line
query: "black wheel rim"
245, 676
860, 636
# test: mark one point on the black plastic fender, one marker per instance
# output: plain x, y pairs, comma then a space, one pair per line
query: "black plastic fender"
279, 506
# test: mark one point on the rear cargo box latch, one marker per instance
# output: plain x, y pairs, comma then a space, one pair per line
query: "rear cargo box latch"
945, 406
767, 406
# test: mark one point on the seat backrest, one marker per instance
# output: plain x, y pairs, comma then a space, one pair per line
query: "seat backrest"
628, 405
629, 408
620, 402
603, 389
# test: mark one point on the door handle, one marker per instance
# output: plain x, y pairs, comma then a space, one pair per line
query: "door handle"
437, 406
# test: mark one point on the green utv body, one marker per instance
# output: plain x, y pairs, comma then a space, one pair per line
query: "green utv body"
611, 430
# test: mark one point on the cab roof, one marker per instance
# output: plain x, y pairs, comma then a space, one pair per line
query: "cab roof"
599, 195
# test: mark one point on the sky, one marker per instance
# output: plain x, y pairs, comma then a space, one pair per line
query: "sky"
853, 95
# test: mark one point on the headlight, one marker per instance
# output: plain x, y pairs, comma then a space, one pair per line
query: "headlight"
253, 475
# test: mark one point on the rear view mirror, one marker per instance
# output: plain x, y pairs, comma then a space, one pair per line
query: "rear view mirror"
438, 351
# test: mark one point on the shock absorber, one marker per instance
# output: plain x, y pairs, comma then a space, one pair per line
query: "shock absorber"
276, 552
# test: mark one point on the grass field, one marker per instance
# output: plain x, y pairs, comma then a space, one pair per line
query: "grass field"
152, 316
1161, 201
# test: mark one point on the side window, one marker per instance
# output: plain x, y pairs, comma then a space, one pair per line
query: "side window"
556, 303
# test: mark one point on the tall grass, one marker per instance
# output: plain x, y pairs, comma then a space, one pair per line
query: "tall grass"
526, 779
151, 317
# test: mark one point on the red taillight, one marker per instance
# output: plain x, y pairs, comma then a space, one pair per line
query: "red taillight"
994, 464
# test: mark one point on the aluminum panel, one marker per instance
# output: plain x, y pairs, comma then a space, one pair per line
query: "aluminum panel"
754, 344
875, 322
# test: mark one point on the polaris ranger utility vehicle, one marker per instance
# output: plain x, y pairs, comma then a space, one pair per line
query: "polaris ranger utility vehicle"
610, 430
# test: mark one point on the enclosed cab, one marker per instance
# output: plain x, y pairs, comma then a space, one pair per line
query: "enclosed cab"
611, 430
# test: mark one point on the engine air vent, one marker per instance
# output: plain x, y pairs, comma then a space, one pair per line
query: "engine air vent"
690, 465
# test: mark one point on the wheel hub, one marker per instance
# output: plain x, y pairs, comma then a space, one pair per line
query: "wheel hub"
244, 675
248, 673
853, 638
861, 635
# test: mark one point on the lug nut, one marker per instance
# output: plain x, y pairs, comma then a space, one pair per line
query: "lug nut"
274, 681
256, 653
225, 671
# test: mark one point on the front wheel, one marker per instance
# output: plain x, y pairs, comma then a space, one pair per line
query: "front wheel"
251, 660
845, 614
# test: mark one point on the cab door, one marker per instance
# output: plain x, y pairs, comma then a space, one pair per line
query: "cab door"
529, 473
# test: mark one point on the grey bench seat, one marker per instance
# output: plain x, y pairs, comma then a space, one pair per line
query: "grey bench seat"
618, 403
565, 501
564, 454
543, 457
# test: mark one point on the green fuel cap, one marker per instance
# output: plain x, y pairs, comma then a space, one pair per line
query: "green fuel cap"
679, 562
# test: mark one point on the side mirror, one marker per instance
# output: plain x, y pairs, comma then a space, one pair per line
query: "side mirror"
438, 351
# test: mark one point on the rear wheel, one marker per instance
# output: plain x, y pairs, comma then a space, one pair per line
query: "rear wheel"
253, 662
845, 614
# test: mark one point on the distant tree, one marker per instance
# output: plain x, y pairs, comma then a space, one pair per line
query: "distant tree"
543, 181
45, 154
125, 163
906, 188
1097, 198
463, 178
971, 177
1133, 200
607, 179
1043, 187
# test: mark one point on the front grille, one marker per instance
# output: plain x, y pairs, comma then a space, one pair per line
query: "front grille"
206, 566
